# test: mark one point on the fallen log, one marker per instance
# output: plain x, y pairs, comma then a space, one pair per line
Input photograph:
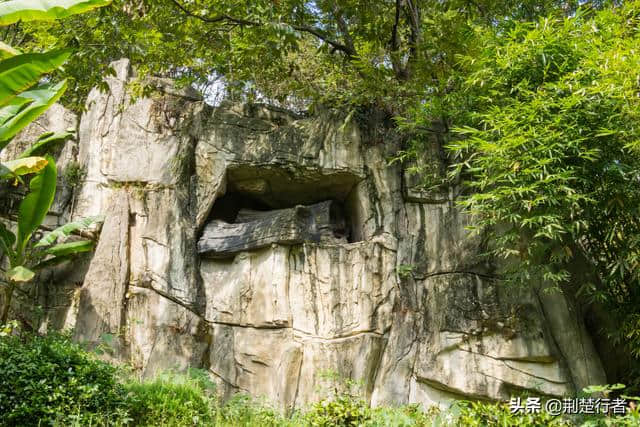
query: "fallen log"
257, 229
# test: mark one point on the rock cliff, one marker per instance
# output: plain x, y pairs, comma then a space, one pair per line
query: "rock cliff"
398, 302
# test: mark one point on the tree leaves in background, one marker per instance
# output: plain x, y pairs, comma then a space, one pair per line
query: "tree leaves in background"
547, 117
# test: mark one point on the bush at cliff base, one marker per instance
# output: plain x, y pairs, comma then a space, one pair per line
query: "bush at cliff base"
47, 380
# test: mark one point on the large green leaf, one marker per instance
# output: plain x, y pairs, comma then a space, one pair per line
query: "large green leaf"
31, 10
70, 248
65, 230
6, 173
23, 166
40, 99
10, 110
20, 274
7, 51
44, 142
36, 204
20, 72
7, 239
50, 262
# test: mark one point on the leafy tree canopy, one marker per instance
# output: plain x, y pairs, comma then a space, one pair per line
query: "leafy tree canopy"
347, 52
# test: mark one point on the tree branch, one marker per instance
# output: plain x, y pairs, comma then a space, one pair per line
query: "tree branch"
395, 42
319, 34
213, 20
413, 15
396, 61
342, 25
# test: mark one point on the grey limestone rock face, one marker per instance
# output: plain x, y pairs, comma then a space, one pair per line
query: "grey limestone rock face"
401, 305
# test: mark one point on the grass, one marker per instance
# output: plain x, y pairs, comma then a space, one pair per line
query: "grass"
53, 381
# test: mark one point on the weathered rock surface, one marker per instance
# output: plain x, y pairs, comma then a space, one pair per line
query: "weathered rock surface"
257, 229
404, 307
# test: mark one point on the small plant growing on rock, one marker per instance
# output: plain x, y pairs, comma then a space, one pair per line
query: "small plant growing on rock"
405, 270
74, 174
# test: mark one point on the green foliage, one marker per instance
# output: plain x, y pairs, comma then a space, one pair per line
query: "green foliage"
20, 274
243, 410
47, 379
171, 400
405, 270
74, 174
26, 256
23, 97
26, 107
343, 411
35, 205
407, 416
482, 414
23, 166
21, 72
52, 381
381, 55
549, 148
45, 142
603, 388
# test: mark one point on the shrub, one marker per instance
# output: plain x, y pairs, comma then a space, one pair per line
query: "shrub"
243, 410
406, 416
74, 174
49, 380
52, 381
483, 414
171, 400
342, 410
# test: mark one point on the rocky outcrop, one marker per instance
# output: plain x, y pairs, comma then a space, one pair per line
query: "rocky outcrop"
400, 303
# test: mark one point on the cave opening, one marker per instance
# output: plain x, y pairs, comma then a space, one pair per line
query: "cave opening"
253, 192
227, 207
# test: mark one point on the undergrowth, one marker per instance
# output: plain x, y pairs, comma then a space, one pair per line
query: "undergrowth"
51, 381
